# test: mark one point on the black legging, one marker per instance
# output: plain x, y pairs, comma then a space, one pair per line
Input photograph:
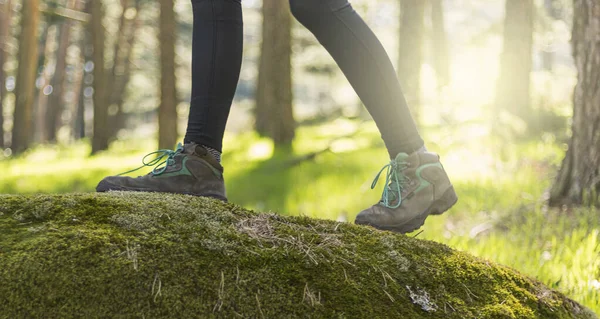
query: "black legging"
217, 55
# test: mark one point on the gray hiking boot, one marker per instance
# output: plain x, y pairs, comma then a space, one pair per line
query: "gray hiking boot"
190, 170
416, 186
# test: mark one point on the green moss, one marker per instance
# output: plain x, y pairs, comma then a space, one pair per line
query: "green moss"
157, 255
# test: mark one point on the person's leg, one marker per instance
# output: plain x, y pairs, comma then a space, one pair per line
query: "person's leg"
194, 167
417, 184
216, 60
363, 60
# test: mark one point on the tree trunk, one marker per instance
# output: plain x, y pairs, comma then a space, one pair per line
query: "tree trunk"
100, 131
410, 57
578, 181
121, 71
167, 111
274, 103
513, 86
40, 107
25, 86
55, 100
441, 62
5, 18
80, 84
552, 13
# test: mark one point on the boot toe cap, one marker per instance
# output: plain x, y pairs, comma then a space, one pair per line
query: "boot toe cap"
111, 183
367, 217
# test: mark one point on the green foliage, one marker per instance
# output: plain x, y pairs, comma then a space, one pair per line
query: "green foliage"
158, 255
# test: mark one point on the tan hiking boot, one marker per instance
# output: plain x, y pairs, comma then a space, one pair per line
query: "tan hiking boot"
416, 186
190, 170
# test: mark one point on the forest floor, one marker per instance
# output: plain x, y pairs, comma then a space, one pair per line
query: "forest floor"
501, 214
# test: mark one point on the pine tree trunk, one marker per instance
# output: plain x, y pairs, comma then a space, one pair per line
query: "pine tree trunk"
274, 110
55, 100
77, 124
513, 86
410, 56
167, 111
25, 86
441, 62
121, 71
40, 107
5, 18
100, 131
578, 181
79, 85
552, 14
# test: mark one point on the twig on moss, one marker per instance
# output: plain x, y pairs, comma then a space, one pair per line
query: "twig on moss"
419, 233
262, 315
154, 284
313, 299
220, 293
449, 305
389, 296
469, 293
132, 254
345, 275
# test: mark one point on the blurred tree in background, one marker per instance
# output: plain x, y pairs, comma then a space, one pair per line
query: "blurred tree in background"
513, 87
55, 102
5, 17
81, 76
410, 56
25, 82
129, 23
421, 22
274, 116
167, 111
441, 62
100, 135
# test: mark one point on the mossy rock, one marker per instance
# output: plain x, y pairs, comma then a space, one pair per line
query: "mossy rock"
124, 255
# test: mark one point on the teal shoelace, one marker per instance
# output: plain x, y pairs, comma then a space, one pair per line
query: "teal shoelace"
394, 181
164, 158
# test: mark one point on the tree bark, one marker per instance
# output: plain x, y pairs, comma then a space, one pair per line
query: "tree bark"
274, 102
410, 56
80, 85
513, 86
551, 14
5, 18
121, 71
40, 107
578, 181
100, 130
55, 100
439, 41
25, 86
167, 111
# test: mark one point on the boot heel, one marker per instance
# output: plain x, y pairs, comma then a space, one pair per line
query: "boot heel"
445, 202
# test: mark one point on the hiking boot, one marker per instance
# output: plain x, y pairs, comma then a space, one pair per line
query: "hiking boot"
416, 187
190, 170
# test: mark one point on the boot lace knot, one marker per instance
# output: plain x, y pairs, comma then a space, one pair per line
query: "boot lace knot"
395, 182
161, 161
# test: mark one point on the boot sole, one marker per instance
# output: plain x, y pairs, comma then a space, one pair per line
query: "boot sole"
438, 207
104, 186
